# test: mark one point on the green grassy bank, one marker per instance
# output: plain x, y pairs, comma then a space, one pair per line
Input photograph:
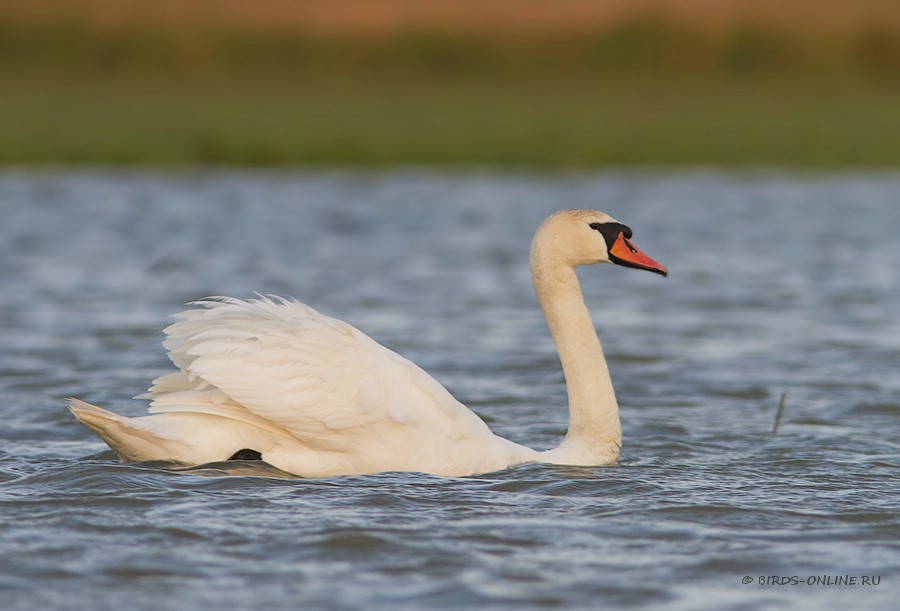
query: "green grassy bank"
551, 123
641, 93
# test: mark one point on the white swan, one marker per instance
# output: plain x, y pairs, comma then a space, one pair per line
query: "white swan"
275, 380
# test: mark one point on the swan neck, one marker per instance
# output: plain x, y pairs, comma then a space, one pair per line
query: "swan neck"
594, 435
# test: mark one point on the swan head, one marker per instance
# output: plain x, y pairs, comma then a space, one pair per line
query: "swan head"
585, 237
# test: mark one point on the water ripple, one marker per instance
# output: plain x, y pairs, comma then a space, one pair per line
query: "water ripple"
434, 265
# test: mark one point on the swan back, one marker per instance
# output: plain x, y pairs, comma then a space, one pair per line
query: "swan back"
352, 404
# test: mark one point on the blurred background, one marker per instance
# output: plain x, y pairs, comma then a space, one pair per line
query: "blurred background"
522, 83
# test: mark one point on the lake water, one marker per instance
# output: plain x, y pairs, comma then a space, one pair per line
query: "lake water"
777, 284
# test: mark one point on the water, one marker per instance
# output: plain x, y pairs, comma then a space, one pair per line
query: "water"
778, 284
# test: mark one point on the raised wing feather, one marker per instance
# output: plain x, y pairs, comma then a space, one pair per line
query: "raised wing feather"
280, 362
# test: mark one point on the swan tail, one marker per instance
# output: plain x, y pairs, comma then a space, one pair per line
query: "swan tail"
95, 418
127, 437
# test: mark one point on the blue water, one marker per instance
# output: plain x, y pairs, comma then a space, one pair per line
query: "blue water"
777, 284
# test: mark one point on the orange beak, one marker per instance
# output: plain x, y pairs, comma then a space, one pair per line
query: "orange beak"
624, 253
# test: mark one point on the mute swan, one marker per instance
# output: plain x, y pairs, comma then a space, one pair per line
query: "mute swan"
272, 379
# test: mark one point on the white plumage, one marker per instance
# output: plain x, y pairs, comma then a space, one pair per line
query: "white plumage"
316, 397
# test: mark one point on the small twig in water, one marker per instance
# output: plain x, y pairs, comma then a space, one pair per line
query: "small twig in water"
779, 412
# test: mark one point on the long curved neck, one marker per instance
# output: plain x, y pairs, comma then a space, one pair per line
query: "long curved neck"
594, 435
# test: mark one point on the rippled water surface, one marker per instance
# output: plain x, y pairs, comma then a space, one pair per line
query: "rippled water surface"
777, 284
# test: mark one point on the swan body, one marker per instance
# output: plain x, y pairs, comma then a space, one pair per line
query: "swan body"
273, 379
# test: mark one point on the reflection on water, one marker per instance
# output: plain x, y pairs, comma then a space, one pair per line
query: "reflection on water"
777, 284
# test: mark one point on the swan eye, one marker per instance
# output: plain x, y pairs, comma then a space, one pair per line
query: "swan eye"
611, 231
